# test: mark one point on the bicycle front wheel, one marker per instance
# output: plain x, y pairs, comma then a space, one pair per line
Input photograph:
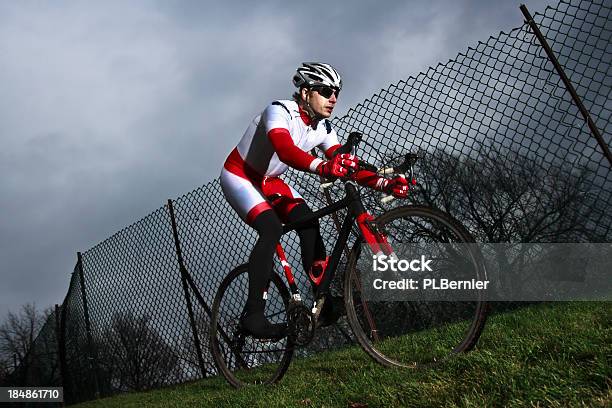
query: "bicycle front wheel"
415, 333
242, 359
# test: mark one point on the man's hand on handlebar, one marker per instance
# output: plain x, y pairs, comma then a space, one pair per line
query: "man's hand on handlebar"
397, 186
341, 165
344, 164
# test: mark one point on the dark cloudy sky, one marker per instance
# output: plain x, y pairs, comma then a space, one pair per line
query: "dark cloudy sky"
109, 108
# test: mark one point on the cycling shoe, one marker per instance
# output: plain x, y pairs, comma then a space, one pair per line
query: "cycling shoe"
257, 326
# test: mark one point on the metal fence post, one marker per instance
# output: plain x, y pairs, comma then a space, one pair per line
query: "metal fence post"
183, 270
61, 350
58, 336
63, 363
567, 83
91, 353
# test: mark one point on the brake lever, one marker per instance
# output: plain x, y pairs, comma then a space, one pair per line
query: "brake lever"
360, 164
407, 166
353, 140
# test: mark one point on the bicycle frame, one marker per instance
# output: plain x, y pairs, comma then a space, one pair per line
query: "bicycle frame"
375, 238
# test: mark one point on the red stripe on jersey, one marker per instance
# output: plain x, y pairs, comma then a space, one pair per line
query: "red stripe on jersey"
288, 152
236, 165
285, 205
255, 211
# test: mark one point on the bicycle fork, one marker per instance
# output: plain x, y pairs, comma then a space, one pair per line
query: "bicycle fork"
374, 236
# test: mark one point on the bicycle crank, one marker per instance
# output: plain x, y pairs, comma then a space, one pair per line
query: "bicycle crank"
301, 324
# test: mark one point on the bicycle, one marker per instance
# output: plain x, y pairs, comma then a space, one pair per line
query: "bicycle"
378, 325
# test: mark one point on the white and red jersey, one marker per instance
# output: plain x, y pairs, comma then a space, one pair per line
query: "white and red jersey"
263, 147
279, 138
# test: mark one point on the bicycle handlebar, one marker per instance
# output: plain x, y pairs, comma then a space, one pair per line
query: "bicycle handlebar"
405, 168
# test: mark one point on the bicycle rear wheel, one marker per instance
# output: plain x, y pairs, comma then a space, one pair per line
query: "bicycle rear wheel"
242, 359
415, 333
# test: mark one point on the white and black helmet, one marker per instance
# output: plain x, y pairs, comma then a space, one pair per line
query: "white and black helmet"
317, 74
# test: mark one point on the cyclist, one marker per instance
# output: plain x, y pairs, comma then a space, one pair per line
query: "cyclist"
279, 138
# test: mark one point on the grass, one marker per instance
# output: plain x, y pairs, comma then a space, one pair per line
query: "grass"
553, 355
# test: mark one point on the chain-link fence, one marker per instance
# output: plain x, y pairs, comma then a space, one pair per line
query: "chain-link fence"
507, 152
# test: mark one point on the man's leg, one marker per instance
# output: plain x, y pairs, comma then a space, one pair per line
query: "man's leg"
315, 262
311, 242
270, 229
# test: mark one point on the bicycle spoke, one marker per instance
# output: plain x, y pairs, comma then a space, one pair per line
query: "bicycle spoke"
240, 358
410, 333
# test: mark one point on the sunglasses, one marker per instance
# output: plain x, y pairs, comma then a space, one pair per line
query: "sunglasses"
327, 91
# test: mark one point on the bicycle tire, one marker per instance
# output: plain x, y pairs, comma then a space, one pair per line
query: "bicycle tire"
406, 346
240, 367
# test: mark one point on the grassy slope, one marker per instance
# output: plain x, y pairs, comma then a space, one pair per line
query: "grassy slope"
546, 355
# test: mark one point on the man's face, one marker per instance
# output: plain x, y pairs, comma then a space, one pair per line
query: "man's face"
321, 105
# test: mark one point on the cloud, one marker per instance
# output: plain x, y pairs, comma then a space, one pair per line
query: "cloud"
109, 108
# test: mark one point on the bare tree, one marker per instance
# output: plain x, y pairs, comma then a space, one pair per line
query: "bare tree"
511, 197
501, 196
135, 356
4, 370
19, 330
507, 196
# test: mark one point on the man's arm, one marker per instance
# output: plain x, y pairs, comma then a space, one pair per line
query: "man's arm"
290, 154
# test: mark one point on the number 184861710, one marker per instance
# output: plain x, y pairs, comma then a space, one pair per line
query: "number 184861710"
20, 394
